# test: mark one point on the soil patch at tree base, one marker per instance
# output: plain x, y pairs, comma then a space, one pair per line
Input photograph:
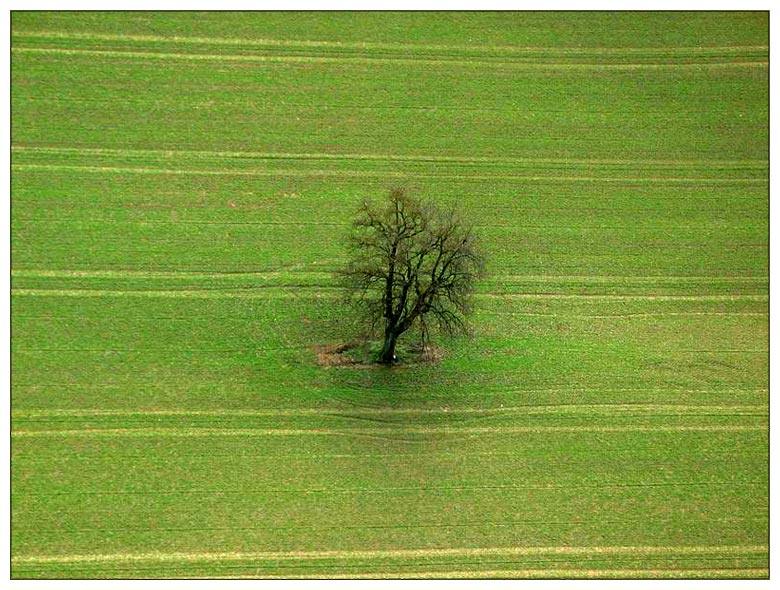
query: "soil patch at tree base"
358, 355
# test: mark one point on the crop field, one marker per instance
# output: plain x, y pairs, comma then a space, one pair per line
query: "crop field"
182, 185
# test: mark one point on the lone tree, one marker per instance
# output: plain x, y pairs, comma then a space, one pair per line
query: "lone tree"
411, 265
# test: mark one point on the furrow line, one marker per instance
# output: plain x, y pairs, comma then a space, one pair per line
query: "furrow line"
394, 490
299, 224
340, 526
171, 275
195, 294
673, 164
408, 61
173, 349
480, 312
625, 315
325, 291
385, 174
732, 297
94, 220
348, 412
726, 456
700, 566
25, 349
160, 274
566, 390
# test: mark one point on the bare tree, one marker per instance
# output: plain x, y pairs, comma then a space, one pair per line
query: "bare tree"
411, 265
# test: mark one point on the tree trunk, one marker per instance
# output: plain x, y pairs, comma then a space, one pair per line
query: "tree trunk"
387, 356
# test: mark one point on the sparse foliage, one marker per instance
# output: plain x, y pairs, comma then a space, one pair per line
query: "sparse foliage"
412, 265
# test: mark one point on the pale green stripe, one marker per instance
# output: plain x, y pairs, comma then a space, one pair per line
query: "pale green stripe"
470, 63
395, 553
188, 293
390, 430
545, 574
143, 274
382, 174
673, 164
605, 409
266, 293
693, 50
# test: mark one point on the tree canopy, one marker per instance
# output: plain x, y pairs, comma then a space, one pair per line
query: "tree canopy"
412, 265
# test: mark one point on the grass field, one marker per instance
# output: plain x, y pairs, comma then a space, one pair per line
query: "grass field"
182, 184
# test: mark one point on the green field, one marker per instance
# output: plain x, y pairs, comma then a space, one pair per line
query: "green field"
182, 184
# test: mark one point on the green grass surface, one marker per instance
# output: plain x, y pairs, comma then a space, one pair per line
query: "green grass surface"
182, 185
